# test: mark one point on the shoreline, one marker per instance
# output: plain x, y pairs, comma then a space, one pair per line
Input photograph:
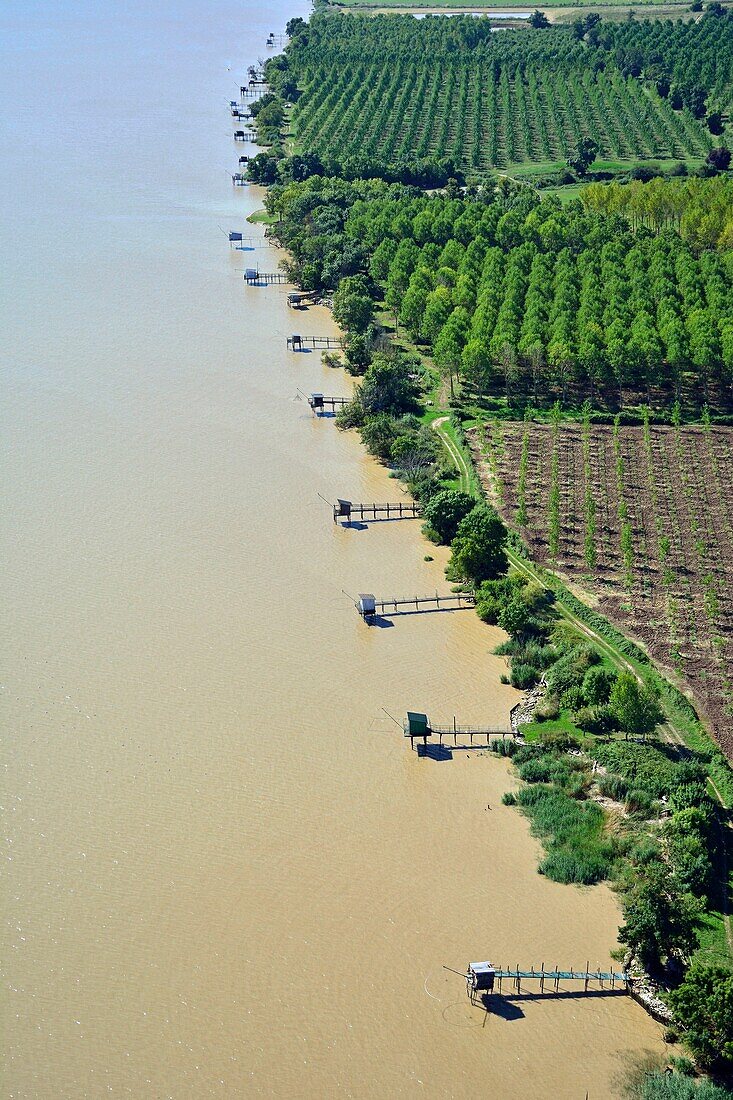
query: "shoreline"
644, 990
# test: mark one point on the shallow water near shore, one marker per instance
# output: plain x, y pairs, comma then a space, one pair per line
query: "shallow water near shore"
226, 874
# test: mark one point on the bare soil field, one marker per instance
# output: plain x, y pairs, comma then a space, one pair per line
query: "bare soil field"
642, 520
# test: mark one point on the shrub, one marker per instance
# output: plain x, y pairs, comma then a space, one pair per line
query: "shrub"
640, 803
488, 609
378, 434
572, 698
613, 786
583, 868
445, 510
595, 719
541, 769
646, 767
559, 740
524, 676
660, 921
478, 548
528, 752
569, 671
576, 784
548, 709
597, 684
666, 1086
635, 706
509, 799
704, 1005
515, 616
645, 851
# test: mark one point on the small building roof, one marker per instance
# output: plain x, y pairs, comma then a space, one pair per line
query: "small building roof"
417, 722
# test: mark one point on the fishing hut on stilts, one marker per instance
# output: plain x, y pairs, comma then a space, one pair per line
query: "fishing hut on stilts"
319, 403
484, 977
403, 509
369, 607
253, 277
418, 727
324, 343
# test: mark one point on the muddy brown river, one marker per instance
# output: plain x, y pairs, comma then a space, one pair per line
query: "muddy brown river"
226, 874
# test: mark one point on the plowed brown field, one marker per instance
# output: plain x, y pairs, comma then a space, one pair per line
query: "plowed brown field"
660, 559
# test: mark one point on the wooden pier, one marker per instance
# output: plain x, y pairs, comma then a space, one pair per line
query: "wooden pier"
417, 726
318, 402
482, 977
276, 39
403, 509
241, 241
369, 606
252, 277
302, 297
297, 343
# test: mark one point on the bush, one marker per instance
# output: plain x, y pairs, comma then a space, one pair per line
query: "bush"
660, 921
478, 548
572, 698
583, 868
613, 786
378, 433
684, 1066
445, 510
541, 769
535, 653
640, 803
548, 709
597, 684
526, 752
596, 719
576, 784
569, 671
524, 676
645, 851
488, 609
635, 705
509, 799
704, 1005
666, 1086
646, 767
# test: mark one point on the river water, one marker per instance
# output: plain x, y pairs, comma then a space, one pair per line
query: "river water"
226, 873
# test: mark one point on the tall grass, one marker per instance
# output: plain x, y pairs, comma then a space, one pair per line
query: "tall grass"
573, 835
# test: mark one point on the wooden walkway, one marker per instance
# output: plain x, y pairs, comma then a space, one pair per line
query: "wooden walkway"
369, 606
403, 509
481, 979
264, 278
318, 402
296, 343
455, 731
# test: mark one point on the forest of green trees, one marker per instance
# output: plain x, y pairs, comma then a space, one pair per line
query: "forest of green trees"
375, 93
525, 297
